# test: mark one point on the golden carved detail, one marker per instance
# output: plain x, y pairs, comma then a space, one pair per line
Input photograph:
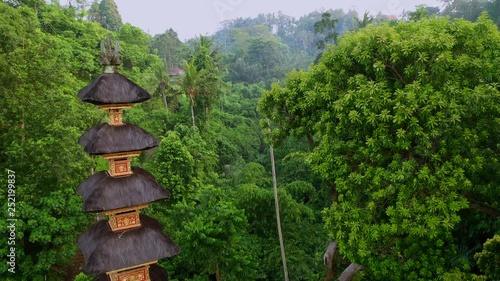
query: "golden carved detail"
135, 273
115, 113
124, 221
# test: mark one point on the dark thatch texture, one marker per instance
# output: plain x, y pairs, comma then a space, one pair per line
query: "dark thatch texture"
105, 250
105, 139
101, 192
156, 273
113, 88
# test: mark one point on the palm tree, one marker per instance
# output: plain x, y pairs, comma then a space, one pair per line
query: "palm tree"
201, 80
204, 83
361, 23
192, 83
277, 209
205, 56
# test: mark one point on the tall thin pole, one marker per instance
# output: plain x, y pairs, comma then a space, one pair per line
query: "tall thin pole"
278, 221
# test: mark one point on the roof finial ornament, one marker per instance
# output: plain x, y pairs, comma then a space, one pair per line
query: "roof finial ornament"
110, 56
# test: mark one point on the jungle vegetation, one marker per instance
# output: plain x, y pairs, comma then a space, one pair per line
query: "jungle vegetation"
386, 135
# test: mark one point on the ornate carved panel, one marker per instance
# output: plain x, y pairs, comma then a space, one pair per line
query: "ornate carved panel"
124, 221
136, 274
115, 112
120, 167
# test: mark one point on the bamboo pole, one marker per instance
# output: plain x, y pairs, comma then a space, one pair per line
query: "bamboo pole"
278, 221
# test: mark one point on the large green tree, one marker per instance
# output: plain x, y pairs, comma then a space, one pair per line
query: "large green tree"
493, 9
47, 55
406, 124
168, 47
257, 55
466, 9
106, 13
40, 121
326, 28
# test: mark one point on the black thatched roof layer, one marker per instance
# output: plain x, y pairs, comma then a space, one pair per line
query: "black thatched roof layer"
156, 273
102, 192
113, 88
105, 139
105, 250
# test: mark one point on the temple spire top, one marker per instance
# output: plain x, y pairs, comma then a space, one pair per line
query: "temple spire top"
110, 55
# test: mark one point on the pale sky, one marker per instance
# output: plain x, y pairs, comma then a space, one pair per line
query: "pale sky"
190, 18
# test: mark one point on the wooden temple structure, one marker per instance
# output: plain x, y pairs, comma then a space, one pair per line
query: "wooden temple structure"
127, 245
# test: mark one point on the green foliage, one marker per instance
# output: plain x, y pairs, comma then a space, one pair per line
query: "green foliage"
138, 64
461, 276
267, 47
253, 173
367, 19
202, 81
205, 159
466, 9
173, 167
40, 121
325, 27
493, 9
258, 55
291, 108
489, 259
267, 59
135, 36
109, 17
169, 48
406, 119
302, 191
297, 33
402, 121
83, 277
303, 237
212, 235
46, 56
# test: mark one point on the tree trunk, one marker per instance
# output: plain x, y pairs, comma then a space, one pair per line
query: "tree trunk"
310, 139
278, 221
217, 272
23, 136
163, 85
192, 114
328, 259
192, 109
334, 194
350, 272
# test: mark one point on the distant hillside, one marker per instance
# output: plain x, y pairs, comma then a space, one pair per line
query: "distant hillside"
297, 34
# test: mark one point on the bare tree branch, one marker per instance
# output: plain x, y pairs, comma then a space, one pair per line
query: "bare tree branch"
350, 272
330, 254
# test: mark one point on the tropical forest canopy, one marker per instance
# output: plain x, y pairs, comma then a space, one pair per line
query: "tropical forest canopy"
386, 135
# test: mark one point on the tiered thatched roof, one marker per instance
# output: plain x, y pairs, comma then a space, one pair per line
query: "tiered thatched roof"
107, 139
101, 192
156, 273
113, 88
105, 250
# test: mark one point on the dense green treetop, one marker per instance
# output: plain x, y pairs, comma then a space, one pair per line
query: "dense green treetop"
406, 120
110, 17
168, 47
40, 121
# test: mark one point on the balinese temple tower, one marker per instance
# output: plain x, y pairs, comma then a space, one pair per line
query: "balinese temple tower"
126, 245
